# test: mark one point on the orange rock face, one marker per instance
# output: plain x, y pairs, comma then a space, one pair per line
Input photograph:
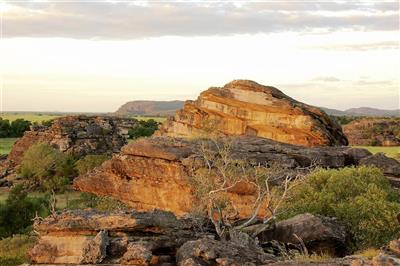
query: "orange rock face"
153, 173
245, 107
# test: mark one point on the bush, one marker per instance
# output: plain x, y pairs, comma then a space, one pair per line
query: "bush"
18, 127
17, 212
47, 168
145, 129
4, 128
360, 197
89, 162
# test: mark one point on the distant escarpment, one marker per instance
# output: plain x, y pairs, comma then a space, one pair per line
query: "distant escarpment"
373, 132
149, 108
76, 135
244, 107
153, 173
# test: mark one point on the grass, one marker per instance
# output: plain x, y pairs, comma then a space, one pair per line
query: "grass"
368, 253
33, 117
393, 152
6, 144
13, 250
62, 199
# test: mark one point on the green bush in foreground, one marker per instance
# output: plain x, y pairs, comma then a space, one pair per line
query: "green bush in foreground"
89, 162
17, 212
47, 168
360, 197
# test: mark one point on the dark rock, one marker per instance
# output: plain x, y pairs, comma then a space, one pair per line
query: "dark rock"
388, 165
320, 234
212, 252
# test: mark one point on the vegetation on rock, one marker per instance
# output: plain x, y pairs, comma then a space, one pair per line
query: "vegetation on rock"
47, 168
89, 162
361, 197
145, 129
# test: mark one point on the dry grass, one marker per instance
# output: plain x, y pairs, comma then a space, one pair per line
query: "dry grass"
368, 253
13, 250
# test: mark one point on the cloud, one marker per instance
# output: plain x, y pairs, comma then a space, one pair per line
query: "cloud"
326, 79
386, 45
135, 20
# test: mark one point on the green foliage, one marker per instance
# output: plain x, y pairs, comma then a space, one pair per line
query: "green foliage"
89, 162
15, 129
13, 250
47, 168
144, 129
360, 197
101, 203
17, 212
47, 123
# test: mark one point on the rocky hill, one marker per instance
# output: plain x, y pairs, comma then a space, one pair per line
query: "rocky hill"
373, 131
153, 173
244, 107
149, 108
77, 135
363, 111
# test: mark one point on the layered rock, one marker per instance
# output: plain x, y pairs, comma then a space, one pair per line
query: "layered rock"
77, 135
244, 107
122, 238
153, 173
373, 131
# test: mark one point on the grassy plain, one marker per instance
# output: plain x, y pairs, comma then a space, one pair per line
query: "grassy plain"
393, 152
6, 144
33, 117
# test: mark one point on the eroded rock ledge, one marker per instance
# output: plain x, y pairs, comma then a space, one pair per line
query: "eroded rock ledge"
244, 107
152, 173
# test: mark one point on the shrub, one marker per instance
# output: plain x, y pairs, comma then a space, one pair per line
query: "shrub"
360, 197
4, 128
144, 129
89, 162
17, 212
18, 127
47, 168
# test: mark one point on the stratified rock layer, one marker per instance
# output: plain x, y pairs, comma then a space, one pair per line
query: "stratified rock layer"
244, 107
122, 238
153, 173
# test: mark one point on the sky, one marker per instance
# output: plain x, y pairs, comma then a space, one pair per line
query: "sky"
93, 56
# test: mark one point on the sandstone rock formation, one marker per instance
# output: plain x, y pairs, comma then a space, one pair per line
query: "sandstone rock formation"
153, 173
373, 131
244, 107
77, 135
321, 235
121, 238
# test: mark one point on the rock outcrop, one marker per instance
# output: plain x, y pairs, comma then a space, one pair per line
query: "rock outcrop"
207, 251
122, 238
373, 131
77, 135
153, 173
321, 235
244, 107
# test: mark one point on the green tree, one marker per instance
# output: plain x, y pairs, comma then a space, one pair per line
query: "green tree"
18, 127
4, 128
144, 129
360, 197
47, 168
17, 212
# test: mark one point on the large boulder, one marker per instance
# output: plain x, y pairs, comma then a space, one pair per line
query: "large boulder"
153, 173
322, 235
123, 238
207, 251
244, 107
